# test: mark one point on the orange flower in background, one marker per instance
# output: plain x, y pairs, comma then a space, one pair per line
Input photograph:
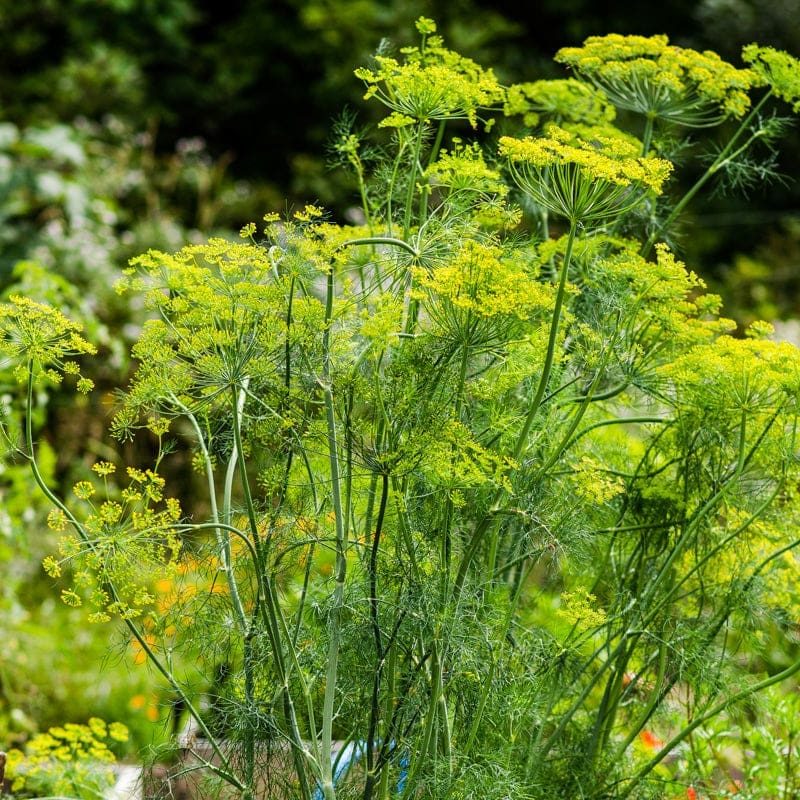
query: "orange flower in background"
149, 705
691, 793
139, 654
651, 741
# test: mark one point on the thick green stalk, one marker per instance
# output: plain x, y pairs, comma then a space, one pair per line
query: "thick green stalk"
412, 179
340, 567
380, 654
223, 539
269, 608
547, 365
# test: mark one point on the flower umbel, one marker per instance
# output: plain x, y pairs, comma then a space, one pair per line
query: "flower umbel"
132, 540
778, 69
583, 179
70, 759
651, 77
432, 84
558, 101
37, 337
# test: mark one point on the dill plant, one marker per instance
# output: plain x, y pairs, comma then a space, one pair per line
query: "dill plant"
484, 495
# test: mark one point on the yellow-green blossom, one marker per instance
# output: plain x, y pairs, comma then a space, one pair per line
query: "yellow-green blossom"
56, 520
583, 178
131, 542
83, 490
432, 83
464, 169
67, 756
777, 69
38, 338
479, 280
103, 468
580, 609
649, 76
470, 188
558, 101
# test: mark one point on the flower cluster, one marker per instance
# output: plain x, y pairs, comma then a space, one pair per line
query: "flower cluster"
129, 542
469, 186
649, 76
218, 298
558, 101
585, 177
580, 609
479, 280
432, 84
777, 69
70, 760
38, 339
749, 376
464, 169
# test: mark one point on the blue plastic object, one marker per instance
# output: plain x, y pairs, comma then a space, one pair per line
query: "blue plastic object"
349, 756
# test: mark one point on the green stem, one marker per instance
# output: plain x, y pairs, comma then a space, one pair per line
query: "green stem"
725, 155
380, 654
340, 568
270, 607
412, 179
390, 240
547, 366
647, 136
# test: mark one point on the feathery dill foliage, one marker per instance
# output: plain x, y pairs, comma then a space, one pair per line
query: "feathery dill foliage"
483, 492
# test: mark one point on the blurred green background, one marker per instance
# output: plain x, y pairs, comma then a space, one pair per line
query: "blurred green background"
130, 124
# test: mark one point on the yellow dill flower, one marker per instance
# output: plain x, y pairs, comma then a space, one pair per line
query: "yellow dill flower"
71, 598
580, 609
65, 758
464, 169
480, 281
51, 567
584, 178
133, 542
432, 83
248, 230
37, 337
425, 26
777, 69
103, 468
56, 520
651, 77
736, 386
558, 101
83, 490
